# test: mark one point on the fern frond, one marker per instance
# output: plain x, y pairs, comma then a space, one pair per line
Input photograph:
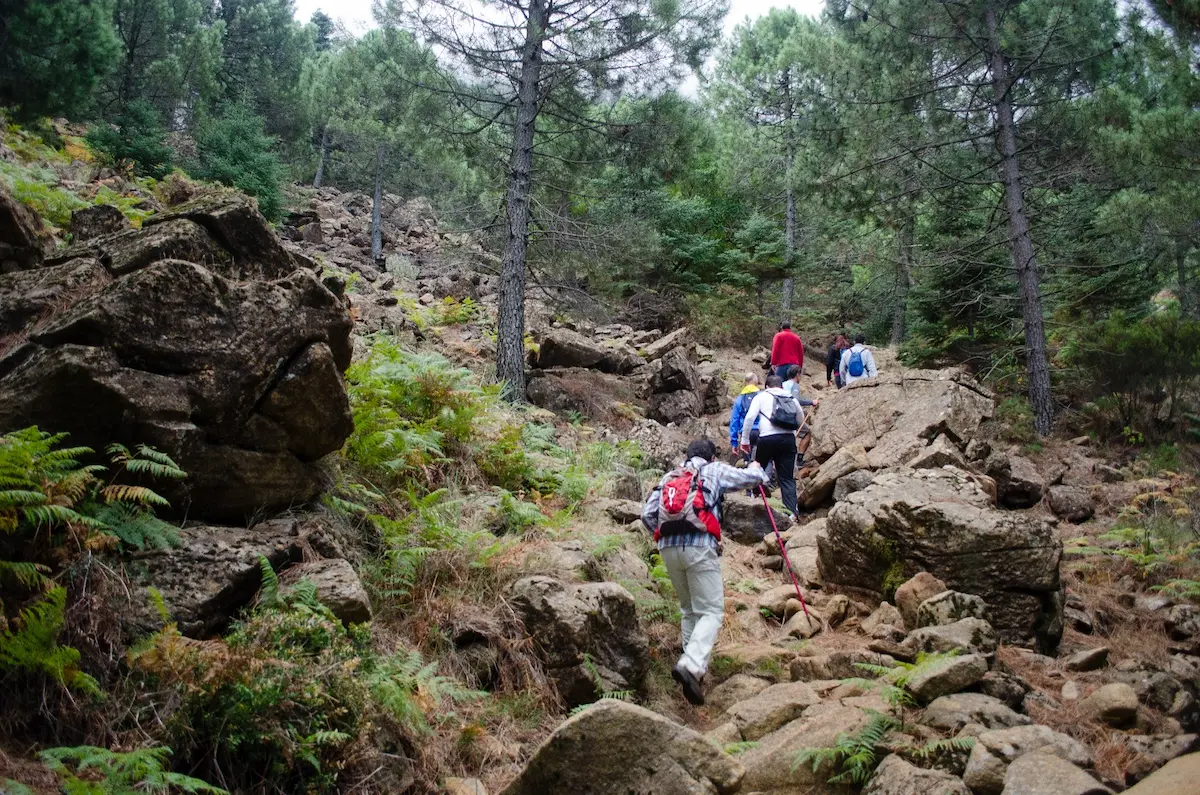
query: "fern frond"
33, 647
137, 527
268, 592
31, 576
140, 466
139, 495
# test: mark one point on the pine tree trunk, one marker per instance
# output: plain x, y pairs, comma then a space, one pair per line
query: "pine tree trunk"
324, 154
1187, 302
377, 208
510, 348
903, 280
789, 256
1037, 362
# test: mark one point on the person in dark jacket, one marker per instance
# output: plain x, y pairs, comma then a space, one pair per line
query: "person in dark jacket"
833, 360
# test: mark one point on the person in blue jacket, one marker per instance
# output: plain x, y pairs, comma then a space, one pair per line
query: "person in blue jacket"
738, 418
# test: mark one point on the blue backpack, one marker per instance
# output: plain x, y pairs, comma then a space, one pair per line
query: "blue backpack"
855, 367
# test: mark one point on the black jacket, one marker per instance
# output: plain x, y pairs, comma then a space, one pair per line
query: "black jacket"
833, 360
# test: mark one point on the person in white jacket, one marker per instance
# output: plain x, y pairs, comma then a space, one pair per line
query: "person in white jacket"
857, 362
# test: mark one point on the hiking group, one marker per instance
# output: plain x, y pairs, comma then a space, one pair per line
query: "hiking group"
768, 435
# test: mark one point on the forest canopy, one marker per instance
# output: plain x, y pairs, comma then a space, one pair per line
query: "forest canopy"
987, 182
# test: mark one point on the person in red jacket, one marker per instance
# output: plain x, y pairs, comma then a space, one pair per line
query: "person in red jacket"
786, 350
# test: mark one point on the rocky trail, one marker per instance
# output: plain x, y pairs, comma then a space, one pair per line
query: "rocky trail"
970, 628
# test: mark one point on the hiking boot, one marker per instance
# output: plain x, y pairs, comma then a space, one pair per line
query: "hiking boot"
690, 684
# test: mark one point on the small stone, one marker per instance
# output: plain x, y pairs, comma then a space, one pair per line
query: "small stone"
885, 615
894, 776
775, 706
968, 636
1071, 503
947, 676
911, 594
461, 786
949, 607
1042, 773
1115, 704
803, 625
1008, 688
950, 713
738, 687
837, 610
1088, 660
1070, 691
1108, 474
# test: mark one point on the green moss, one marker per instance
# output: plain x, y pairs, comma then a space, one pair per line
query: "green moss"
893, 578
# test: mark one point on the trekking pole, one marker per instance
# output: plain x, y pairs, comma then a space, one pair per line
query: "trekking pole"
783, 551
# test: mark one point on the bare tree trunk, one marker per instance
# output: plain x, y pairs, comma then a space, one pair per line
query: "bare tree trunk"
903, 280
377, 208
324, 154
789, 256
1037, 361
510, 348
1187, 303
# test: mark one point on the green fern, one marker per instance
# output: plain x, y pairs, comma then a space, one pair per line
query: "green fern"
137, 527
30, 576
88, 770
404, 682
10, 787
936, 748
268, 589
854, 757
145, 461
33, 647
1179, 589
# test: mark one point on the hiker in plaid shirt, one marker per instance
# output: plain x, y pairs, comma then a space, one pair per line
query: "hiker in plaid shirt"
691, 552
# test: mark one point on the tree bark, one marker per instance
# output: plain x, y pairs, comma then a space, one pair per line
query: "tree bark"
1187, 302
1037, 362
377, 208
903, 280
510, 326
324, 154
789, 255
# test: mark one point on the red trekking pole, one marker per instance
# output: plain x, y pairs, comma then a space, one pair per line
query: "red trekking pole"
783, 550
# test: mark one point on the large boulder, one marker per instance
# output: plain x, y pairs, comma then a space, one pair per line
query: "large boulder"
1045, 773
949, 607
617, 747
214, 572
23, 240
1174, 778
996, 749
96, 221
772, 708
894, 776
230, 363
560, 347
967, 636
1115, 703
945, 677
585, 632
951, 713
771, 765
845, 461
675, 372
337, 586
745, 519
913, 593
941, 521
679, 338
675, 407
896, 415
1071, 503
1019, 484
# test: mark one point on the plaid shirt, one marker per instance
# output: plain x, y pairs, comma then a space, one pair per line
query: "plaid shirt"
716, 478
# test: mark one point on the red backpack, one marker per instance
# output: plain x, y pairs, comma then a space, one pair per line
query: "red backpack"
681, 506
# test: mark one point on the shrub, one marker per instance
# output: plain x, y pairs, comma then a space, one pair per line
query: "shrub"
410, 412
88, 770
282, 703
1140, 361
53, 507
233, 149
136, 139
504, 462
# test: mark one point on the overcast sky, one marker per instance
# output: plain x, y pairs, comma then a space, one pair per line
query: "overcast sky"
356, 14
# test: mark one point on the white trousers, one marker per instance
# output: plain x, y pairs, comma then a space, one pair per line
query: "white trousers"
696, 574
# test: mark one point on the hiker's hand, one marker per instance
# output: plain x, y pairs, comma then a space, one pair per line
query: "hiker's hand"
816, 402
733, 448
745, 448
